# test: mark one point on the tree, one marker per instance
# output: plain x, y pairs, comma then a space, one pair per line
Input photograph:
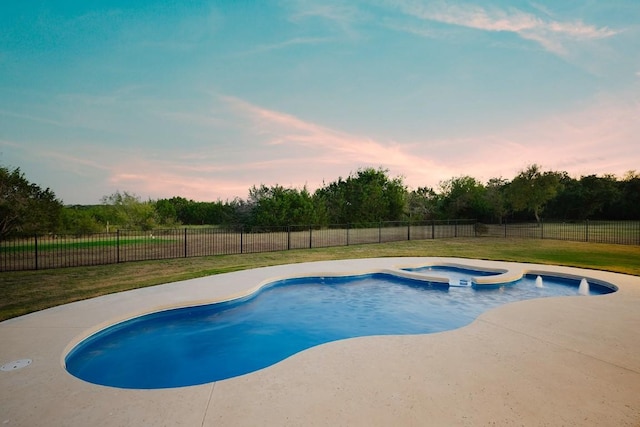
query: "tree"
24, 206
598, 194
422, 204
566, 205
333, 198
496, 199
532, 189
367, 196
127, 211
463, 197
166, 212
80, 220
628, 206
279, 206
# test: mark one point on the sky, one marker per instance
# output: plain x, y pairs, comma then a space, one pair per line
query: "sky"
205, 99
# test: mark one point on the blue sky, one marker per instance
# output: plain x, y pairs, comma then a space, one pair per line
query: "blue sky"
205, 99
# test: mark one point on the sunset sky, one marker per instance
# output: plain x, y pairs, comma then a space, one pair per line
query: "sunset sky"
205, 99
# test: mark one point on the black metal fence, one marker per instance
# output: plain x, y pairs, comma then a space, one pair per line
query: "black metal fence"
55, 251
615, 232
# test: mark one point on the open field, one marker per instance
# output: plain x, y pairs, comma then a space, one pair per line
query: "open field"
28, 291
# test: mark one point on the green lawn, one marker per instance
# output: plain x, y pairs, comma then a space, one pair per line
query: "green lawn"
27, 291
83, 243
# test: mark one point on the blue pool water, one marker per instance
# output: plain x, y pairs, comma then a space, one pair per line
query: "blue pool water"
197, 345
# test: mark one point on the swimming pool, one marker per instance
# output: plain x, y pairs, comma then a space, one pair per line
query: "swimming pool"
196, 345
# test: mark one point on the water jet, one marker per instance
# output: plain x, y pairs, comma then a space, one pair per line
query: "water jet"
584, 287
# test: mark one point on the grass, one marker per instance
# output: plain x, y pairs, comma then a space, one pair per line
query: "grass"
109, 242
27, 291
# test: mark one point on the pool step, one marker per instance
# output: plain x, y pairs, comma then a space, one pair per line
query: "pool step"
462, 283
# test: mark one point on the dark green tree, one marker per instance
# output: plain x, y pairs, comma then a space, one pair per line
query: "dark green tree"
333, 198
598, 195
26, 207
628, 206
80, 220
463, 197
166, 212
567, 204
532, 189
422, 204
279, 206
496, 199
367, 196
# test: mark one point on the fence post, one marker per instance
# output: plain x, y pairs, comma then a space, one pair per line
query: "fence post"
433, 229
379, 231
505, 228
408, 230
35, 240
310, 236
118, 246
288, 237
541, 229
347, 234
185, 242
586, 231
241, 238
455, 228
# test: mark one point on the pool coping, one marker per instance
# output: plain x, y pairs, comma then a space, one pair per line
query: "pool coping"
358, 381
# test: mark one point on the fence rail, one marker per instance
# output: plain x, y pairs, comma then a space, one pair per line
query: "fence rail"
615, 232
56, 251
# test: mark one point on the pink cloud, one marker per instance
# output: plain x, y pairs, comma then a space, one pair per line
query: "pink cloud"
281, 128
597, 139
553, 35
152, 181
335, 147
275, 147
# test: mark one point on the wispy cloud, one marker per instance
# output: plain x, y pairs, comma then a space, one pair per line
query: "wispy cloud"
340, 13
335, 150
282, 128
288, 150
298, 41
281, 148
596, 139
69, 158
550, 34
336, 14
32, 118
155, 184
577, 141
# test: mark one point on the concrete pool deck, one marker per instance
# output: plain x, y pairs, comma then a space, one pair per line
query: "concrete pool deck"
553, 361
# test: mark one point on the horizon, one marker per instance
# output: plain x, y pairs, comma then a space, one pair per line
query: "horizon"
204, 101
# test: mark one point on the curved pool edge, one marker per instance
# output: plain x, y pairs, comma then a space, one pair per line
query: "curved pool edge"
550, 371
248, 292
508, 273
505, 274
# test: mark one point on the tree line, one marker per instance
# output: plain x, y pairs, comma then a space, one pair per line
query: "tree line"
365, 196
